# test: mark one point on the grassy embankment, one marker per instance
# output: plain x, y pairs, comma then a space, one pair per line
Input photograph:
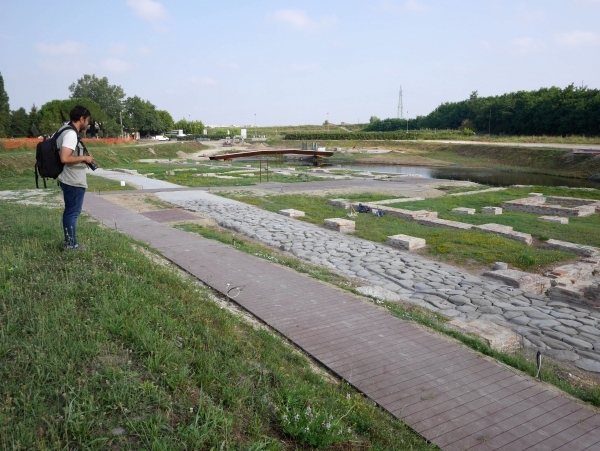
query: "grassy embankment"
550, 161
16, 167
16, 164
470, 249
106, 349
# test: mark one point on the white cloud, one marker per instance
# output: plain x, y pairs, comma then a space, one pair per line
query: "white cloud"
304, 68
117, 50
63, 49
205, 81
143, 50
526, 45
395, 7
147, 9
115, 65
529, 16
485, 45
586, 2
300, 20
417, 7
577, 38
228, 66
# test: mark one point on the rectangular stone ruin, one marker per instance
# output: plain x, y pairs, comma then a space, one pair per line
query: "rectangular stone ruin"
396, 201
554, 219
574, 202
445, 224
464, 211
539, 205
491, 210
341, 203
519, 279
587, 295
497, 337
292, 213
584, 269
409, 215
579, 249
405, 242
506, 232
535, 195
340, 225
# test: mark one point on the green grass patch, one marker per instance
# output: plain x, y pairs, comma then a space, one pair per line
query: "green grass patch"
466, 248
579, 230
105, 349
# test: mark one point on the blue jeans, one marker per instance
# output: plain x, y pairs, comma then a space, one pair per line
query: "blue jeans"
73, 196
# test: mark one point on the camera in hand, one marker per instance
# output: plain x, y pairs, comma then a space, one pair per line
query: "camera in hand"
93, 166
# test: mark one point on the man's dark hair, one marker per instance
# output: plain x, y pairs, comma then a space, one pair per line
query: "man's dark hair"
79, 111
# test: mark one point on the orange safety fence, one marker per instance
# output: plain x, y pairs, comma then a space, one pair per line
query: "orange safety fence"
31, 143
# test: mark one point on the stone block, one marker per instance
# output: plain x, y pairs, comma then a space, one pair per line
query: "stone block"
340, 224
579, 249
399, 200
342, 203
554, 219
464, 211
500, 265
405, 242
409, 215
491, 210
535, 195
539, 205
292, 213
506, 232
522, 280
497, 337
379, 293
445, 223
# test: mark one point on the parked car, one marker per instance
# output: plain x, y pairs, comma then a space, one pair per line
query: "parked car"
160, 138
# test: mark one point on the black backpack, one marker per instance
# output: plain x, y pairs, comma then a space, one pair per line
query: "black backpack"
47, 157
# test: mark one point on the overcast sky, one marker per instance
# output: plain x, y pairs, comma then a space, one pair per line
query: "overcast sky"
297, 62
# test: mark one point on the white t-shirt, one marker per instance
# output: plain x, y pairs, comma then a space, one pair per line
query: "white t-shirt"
72, 174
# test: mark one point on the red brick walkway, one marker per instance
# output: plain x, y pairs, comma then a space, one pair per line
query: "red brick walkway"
452, 396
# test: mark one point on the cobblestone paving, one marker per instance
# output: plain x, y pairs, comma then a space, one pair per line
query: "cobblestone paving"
565, 331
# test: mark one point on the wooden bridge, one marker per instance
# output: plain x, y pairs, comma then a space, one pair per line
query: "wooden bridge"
260, 153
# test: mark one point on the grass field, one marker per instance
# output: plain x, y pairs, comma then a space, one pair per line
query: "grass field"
108, 349
470, 249
579, 230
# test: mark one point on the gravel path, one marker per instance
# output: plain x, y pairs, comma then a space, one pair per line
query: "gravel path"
561, 330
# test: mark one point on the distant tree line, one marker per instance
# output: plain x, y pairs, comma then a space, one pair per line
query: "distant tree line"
547, 111
368, 136
112, 113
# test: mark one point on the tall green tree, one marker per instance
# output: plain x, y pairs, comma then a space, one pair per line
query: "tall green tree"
190, 127
19, 123
109, 97
166, 119
55, 113
34, 121
141, 116
4, 110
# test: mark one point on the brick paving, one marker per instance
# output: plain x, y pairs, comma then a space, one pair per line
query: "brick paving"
451, 395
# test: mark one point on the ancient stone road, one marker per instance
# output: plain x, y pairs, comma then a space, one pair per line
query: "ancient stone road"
565, 331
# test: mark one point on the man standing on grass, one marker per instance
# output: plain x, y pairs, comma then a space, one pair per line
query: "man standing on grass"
73, 179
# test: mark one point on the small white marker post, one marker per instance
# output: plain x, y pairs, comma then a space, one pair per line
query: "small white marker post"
122, 183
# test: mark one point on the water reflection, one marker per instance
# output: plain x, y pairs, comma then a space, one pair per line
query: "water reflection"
479, 175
